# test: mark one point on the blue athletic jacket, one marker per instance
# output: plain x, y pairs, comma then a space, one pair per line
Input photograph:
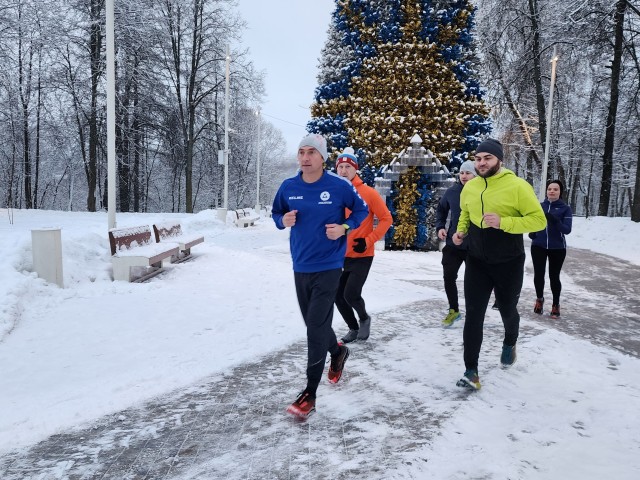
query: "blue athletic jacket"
559, 220
318, 204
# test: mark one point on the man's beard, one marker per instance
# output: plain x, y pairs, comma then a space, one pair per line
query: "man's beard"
491, 172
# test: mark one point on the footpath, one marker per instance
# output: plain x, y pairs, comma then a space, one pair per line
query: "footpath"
226, 428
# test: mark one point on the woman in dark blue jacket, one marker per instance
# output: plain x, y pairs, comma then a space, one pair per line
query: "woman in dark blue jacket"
550, 244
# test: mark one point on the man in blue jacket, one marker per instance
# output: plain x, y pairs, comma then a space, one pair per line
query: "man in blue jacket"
313, 205
452, 255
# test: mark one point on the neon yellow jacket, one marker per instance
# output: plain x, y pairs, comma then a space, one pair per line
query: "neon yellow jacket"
508, 196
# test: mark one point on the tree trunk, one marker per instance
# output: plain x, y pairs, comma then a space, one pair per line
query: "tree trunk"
26, 157
24, 81
635, 205
122, 149
188, 177
607, 157
575, 186
532, 155
38, 133
137, 148
537, 72
95, 47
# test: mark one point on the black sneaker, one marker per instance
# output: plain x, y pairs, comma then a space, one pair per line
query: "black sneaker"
351, 336
337, 364
508, 356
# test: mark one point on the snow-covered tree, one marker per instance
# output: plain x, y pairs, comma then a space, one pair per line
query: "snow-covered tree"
410, 72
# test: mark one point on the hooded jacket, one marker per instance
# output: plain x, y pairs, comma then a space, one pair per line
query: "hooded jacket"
377, 207
559, 222
508, 196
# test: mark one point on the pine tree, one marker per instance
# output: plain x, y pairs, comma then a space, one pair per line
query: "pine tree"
409, 73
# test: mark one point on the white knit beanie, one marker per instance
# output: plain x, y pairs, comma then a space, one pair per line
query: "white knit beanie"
468, 166
316, 141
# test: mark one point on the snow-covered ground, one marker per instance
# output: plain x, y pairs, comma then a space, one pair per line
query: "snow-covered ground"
70, 355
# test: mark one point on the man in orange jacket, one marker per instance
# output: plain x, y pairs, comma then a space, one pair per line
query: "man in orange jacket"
360, 251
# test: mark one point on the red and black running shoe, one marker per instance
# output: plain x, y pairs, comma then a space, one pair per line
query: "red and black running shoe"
304, 405
537, 307
337, 364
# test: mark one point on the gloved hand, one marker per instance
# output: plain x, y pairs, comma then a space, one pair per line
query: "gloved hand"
550, 218
359, 245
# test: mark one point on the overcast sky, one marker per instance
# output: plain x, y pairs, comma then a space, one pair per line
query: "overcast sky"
285, 38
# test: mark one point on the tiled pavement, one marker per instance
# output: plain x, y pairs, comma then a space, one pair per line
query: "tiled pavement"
234, 426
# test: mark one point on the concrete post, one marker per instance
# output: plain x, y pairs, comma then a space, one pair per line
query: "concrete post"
46, 244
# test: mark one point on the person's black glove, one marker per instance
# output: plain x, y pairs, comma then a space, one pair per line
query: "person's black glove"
550, 218
359, 245
533, 235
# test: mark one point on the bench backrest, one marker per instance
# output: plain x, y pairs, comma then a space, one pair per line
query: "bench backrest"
166, 230
127, 238
243, 212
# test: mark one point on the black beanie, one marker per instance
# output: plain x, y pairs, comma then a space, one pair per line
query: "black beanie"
492, 146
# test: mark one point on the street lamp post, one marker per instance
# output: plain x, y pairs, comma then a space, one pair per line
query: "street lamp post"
226, 133
258, 164
222, 212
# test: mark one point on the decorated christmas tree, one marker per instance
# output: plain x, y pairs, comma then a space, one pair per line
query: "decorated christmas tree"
392, 69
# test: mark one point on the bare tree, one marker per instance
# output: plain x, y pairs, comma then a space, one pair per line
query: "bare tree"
616, 64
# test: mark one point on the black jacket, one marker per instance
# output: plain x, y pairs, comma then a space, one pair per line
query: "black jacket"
450, 204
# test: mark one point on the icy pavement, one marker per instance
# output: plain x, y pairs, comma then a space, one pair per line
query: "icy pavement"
604, 303
373, 424
240, 419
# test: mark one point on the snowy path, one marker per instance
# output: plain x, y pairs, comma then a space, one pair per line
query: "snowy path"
395, 414
364, 428
604, 303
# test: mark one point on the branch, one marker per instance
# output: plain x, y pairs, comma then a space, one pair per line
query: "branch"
632, 7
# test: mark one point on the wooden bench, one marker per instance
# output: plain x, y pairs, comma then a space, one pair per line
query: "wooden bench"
133, 250
171, 232
245, 217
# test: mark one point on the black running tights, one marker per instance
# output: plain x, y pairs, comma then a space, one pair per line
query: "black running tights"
316, 293
349, 296
556, 258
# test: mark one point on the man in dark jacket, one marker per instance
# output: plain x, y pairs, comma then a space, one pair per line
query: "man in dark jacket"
452, 254
496, 208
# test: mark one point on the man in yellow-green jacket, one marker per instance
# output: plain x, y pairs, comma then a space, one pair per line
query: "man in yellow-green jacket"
496, 209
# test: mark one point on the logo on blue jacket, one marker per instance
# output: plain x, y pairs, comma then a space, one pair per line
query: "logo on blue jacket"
324, 197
